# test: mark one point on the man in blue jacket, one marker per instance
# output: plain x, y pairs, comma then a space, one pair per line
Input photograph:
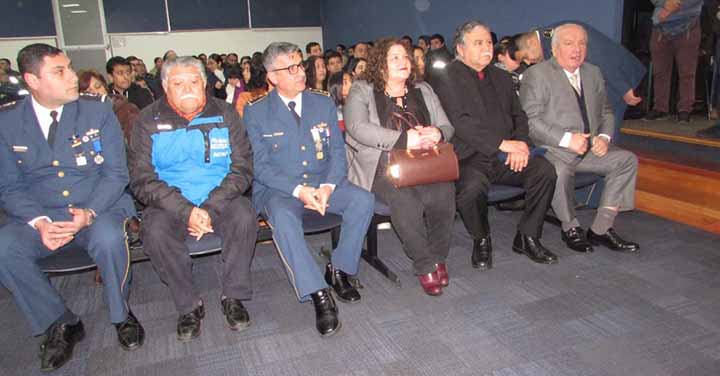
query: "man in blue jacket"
299, 156
64, 173
191, 165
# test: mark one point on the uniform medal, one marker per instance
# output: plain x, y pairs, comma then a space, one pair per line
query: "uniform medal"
94, 135
318, 143
75, 143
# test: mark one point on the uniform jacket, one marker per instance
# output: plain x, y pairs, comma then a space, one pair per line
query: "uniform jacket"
460, 97
285, 154
39, 180
176, 164
552, 108
367, 139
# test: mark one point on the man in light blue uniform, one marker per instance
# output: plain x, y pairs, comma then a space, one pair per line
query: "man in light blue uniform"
299, 158
64, 172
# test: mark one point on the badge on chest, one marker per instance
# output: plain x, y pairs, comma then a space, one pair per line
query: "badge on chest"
88, 145
320, 134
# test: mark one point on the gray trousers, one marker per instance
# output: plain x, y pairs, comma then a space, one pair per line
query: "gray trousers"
619, 168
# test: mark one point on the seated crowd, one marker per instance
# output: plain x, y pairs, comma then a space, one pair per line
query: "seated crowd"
215, 140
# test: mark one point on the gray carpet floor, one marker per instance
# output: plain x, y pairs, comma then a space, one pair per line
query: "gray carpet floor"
604, 313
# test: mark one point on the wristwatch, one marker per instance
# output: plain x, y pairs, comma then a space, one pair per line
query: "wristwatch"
90, 216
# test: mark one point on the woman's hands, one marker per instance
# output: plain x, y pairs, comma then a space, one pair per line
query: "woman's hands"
423, 137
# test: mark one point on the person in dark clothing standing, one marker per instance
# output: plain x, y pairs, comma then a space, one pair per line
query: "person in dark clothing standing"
491, 139
121, 72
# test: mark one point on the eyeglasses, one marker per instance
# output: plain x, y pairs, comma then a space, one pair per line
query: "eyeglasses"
292, 69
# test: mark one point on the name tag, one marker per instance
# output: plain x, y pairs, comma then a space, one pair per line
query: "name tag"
20, 148
164, 127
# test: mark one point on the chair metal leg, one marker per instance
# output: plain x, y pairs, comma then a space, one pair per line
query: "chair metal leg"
370, 255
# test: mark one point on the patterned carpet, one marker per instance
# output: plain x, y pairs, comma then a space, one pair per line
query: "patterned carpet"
598, 314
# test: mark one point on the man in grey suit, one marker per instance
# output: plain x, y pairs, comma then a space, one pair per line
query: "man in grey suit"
569, 114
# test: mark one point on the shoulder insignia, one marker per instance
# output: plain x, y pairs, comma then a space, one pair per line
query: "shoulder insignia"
8, 106
93, 97
321, 92
257, 99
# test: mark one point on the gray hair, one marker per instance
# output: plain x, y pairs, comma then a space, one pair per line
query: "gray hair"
276, 49
555, 41
466, 28
182, 61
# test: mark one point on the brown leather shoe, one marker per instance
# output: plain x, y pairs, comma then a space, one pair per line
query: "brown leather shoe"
442, 274
431, 284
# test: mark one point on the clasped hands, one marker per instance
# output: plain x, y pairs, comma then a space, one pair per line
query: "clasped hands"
518, 154
199, 223
315, 198
57, 234
423, 137
669, 8
579, 143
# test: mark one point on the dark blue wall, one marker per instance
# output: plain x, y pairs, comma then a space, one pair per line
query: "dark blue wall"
349, 21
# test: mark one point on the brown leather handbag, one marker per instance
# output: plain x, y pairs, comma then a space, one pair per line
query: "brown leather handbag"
407, 168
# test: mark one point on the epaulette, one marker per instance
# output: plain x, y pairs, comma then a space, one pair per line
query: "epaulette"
318, 91
93, 97
8, 106
258, 99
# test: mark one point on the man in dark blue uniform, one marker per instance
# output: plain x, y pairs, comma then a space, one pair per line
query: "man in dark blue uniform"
191, 164
64, 177
300, 165
620, 68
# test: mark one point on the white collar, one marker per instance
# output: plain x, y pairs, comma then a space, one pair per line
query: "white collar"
43, 113
297, 100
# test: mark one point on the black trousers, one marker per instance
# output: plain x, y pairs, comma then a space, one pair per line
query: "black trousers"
476, 175
423, 218
164, 236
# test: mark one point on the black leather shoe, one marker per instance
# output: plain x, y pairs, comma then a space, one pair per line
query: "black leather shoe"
326, 313
131, 334
531, 247
482, 254
188, 326
57, 346
235, 313
576, 240
344, 290
613, 241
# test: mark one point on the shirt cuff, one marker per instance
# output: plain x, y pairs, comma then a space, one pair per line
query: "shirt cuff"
606, 137
296, 191
34, 220
332, 186
565, 140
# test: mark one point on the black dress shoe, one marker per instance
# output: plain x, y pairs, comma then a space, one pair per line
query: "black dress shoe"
531, 247
613, 241
482, 254
188, 326
57, 346
131, 334
235, 313
576, 240
326, 313
344, 290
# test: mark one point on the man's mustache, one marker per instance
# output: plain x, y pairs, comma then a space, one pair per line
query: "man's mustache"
189, 96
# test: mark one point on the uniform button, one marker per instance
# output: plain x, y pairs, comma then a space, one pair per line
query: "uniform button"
305, 176
304, 163
304, 184
20, 161
61, 174
65, 193
302, 147
55, 163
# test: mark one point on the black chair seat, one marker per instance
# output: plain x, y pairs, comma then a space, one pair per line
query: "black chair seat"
584, 179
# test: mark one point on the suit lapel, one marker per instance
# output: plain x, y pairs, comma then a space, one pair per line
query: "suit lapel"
31, 128
281, 112
66, 126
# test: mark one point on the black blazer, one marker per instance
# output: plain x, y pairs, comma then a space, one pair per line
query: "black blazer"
136, 95
457, 88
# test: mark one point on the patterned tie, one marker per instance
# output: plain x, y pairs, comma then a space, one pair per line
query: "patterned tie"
575, 82
291, 104
53, 128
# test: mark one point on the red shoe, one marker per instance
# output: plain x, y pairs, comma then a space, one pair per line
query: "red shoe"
430, 283
442, 274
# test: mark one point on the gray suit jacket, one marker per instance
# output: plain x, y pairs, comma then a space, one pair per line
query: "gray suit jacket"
552, 108
367, 139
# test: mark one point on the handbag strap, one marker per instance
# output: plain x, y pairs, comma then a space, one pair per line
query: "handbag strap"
402, 119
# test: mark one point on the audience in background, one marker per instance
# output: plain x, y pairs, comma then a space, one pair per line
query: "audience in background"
313, 49
215, 77
361, 50
122, 84
424, 42
92, 82
418, 54
256, 87
339, 87
316, 73
334, 62
356, 67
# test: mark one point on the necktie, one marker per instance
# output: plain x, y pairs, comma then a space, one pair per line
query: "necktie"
291, 105
53, 128
575, 82
481, 75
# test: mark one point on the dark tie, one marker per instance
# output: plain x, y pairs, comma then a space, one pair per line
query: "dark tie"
291, 104
53, 128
